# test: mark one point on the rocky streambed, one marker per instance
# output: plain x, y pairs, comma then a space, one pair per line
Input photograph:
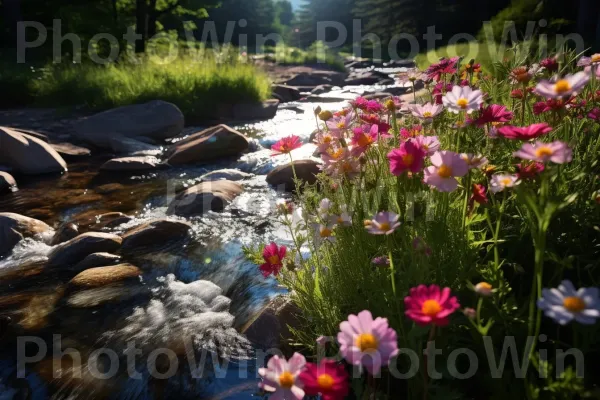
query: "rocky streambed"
126, 229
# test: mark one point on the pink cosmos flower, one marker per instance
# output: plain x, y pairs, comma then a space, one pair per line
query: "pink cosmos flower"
587, 61
558, 152
414, 131
360, 103
338, 125
409, 157
479, 195
373, 106
568, 86
286, 145
328, 379
273, 256
429, 144
446, 166
529, 170
281, 377
384, 223
499, 182
430, 305
444, 67
439, 90
426, 112
493, 114
369, 342
420, 246
363, 138
524, 133
463, 98
474, 161
550, 64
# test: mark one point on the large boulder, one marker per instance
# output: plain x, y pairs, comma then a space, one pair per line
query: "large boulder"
255, 111
16, 227
282, 177
135, 147
7, 183
204, 197
227, 174
65, 232
286, 93
97, 260
102, 276
155, 233
78, 248
156, 119
316, 78
209, 144
134, 164
27, 154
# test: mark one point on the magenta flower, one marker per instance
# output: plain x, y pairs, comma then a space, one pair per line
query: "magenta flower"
550, 64
425, 112
568, 86
494, 113
367, 342
558, 152
499, 182
363, 138
430, 305
446, 166
273, 256
281, 377
594, 114
286, 145
444, 67
529, 170
373, 106
384, 223
360, 103
524, 133
409, 157
429, 144
463, 98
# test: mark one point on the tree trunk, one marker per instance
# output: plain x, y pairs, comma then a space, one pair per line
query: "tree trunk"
141, 24
152, 17
12, 16
115, 11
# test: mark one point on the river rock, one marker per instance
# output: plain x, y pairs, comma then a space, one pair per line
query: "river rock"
135, 147
141, 163
15, 227
255, 111
7, 183
283, 175
70, 151
76, 249
97, 260
65, 232
227, 174
209, 144
286, 93
204, 197
155, 233
156, 119
316, 78
112, 293
27, 154
321, 89
102, 276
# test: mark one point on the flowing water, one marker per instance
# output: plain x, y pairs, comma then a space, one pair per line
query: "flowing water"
192, 298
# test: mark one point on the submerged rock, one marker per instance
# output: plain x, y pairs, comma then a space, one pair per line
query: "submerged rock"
204, 197
135, 147
156, 119
316, 78
227, 174
7, 183
102, 276
66, 231
70, 151
209, 144
27, 154
286, 93
282, 177
75, 250
16, 227
140, 163
155, 233
97, 260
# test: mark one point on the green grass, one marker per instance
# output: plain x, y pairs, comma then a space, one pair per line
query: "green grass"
198, 88
483, 53
316, 54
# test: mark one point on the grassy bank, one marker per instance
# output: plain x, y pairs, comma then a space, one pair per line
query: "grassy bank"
485, 54
198, 88
317, 54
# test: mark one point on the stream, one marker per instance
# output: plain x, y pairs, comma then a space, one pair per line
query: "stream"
202, 289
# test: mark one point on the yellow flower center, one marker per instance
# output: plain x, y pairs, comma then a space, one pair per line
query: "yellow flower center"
574, 304
336, 154
286, 380
325, 232
462, 103
325, 381
562, 86
327, 139
596, 58
544, 151
366, 342
506, 181
341, 125
340, 219
428, 114
274, 260
431, 308
484, 286
364, 140
444, 171
384, 226
408, 159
